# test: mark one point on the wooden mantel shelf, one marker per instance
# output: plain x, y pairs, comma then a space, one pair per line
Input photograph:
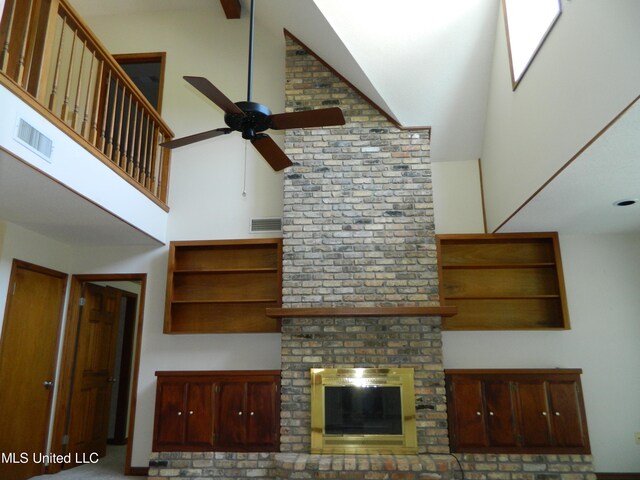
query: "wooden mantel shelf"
362, 312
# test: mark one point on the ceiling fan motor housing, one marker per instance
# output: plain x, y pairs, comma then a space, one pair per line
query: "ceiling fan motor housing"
254, 120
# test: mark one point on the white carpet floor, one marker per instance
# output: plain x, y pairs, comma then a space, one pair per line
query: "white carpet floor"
110, 467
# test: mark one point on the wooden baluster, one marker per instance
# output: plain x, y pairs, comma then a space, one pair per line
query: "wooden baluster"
152, 157
112, 113
134, 132
87, 100
138, 156
56, 73
76, 106
143, 159
95, 109
120, 109
152, 150
65, 103
20, 77
6, 30
125, 148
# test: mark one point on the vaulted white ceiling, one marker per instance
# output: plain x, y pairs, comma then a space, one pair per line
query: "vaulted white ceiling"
427, 63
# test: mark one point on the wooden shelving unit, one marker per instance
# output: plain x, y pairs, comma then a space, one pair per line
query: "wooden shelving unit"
502, 281
223, 286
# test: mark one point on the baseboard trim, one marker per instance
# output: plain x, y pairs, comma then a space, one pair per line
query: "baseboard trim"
618, 476
137, 471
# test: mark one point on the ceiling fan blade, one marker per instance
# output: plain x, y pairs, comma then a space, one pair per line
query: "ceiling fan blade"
271, 152
207, 88
181, 142
322, 117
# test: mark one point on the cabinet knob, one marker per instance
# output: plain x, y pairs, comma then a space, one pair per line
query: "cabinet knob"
252, 414
557, 414
491, 413
544, 414
478, 413
239, 413
179, 413
190, 412
47, 384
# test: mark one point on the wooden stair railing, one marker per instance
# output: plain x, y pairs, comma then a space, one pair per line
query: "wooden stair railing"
49, 55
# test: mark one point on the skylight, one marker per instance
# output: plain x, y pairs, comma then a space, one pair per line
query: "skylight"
528, 23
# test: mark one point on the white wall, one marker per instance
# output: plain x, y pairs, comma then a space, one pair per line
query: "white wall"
457, 197
602, 274
207, 178
22, 244
585, 74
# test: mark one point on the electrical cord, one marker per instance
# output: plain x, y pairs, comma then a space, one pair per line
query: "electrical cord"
459, 465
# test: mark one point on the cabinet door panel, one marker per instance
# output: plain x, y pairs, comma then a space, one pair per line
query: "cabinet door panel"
468, 411
232, 414
170, 420
199, 414
534, 413
261, 427
500, 414
565, 414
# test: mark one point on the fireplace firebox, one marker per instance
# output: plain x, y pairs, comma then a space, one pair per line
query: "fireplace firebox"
363, 410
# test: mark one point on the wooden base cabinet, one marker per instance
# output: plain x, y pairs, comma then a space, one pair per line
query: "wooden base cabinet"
516, 411
184, 415
217, 411
247, 413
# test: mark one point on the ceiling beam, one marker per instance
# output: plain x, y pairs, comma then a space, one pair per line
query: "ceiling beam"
232, 8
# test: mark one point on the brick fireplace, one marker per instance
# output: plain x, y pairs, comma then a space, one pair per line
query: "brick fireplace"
360, 286
358, 233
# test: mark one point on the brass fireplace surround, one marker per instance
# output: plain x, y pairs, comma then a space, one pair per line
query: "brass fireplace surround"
322, 442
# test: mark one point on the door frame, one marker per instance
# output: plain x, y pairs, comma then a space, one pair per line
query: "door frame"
65, 380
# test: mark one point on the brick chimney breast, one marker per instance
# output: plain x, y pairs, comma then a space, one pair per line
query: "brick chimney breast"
358, 231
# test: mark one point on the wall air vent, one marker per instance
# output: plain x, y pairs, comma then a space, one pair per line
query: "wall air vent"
34, 140
259, 225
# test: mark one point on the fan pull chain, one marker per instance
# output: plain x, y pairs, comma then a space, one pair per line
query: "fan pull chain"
244, 180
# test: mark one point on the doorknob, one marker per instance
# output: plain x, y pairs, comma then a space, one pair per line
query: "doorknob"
112, 380
47, 384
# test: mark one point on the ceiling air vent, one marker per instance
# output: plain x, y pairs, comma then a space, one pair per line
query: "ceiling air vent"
34, 140
259, 225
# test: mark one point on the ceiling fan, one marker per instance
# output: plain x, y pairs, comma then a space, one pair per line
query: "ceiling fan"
251, 119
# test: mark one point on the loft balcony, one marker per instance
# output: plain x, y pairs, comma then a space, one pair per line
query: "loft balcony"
79, 143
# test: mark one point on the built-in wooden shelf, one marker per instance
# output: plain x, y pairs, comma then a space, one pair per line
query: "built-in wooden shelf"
362, 312
502, 281
223, 286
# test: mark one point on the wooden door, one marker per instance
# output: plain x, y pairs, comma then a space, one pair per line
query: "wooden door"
170, 407
199, 414
231, 414
534, 413
501, 418
565, 414
261, 405
468, 414
93, 375
27, 362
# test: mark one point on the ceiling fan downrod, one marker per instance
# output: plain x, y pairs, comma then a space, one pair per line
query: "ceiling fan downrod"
250, 69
